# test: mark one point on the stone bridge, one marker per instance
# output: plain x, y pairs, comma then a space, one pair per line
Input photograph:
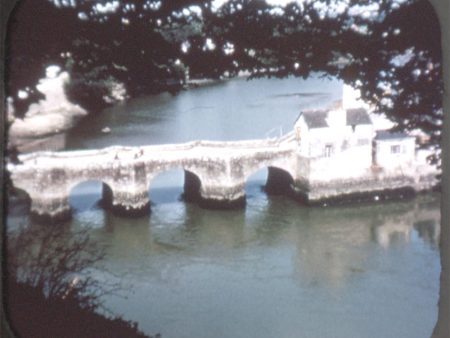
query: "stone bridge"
215, 173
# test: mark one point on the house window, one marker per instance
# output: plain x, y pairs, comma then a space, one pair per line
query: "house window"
362, 142
395, 149
344, 145
328, 150
298, 135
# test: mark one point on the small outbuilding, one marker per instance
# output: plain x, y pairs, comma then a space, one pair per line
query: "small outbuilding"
394, 150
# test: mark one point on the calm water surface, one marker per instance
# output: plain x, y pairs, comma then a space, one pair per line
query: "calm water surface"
275, 269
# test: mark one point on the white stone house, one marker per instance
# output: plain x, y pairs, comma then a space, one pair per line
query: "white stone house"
344, 150
343, 143
334, 144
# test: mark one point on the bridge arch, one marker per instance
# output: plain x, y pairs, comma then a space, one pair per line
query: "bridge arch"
190, 182
192, 186
278, 181
18, 201
166, 186
254, 185
92, 191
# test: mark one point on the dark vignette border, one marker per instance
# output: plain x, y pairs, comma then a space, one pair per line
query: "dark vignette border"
442, 7
442, 328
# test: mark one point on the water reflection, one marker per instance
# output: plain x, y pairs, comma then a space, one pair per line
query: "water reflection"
429, 231
338, 244
329, 245
275, 255
398, 226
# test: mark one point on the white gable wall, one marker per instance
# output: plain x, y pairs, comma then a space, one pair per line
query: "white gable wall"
350, 155
302, 136
351, 162
361, 135
320, 138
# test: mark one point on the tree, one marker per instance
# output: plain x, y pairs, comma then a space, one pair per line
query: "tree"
50, 278
388, 49
393, 55
97, 44
29, 49
59, 263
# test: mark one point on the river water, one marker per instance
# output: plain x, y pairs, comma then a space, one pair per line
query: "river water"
274, 269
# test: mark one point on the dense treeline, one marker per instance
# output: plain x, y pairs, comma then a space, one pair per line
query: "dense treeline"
389, 49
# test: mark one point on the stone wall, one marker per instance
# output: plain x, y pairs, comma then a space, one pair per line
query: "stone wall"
374, 186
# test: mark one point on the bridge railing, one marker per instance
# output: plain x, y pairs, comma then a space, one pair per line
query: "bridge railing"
286, 137
113, 150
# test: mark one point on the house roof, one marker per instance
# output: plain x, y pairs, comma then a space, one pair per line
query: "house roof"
318, 118
315, 118
357, 116
388, 135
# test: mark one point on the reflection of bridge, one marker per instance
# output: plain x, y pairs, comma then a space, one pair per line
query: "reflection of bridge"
215, 173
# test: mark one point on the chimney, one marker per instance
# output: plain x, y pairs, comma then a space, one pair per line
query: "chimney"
351, 98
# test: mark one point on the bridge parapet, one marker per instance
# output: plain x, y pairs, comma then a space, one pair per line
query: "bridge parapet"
130, 152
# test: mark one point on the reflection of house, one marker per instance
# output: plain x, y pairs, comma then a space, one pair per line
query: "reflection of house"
341, 152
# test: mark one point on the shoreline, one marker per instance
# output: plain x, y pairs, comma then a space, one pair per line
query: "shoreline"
49, 125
